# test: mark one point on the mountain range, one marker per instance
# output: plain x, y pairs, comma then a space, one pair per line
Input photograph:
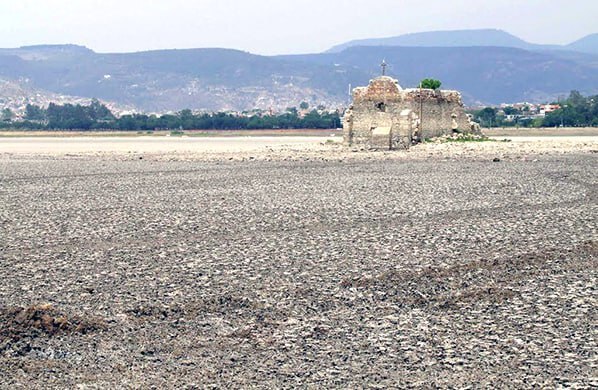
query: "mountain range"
487, 66
465, 38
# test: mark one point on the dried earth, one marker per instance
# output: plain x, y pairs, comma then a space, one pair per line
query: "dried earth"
451, 265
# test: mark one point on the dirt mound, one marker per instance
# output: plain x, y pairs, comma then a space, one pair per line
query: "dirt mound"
19, 323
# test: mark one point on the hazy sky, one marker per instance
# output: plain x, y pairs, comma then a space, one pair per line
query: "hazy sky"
278, 26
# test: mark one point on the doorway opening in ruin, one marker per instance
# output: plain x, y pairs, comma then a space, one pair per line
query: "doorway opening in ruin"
381, 107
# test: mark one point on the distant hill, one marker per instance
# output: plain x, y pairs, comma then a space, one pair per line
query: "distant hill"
467, 38
482, 74
16, 94
210, 79
223, 79
588, 44
456, 38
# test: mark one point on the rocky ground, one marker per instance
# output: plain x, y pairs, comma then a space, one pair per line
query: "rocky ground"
447, 266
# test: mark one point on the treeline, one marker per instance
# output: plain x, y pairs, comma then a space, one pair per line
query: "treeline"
575, 111
97, 116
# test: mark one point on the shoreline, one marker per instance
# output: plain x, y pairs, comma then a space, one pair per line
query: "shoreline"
278, 148
490, 132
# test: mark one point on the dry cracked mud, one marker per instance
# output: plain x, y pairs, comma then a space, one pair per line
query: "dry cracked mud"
276, 274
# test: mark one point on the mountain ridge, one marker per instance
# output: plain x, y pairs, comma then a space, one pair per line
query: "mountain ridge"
497, 74
467, 38
587, 44
214, 79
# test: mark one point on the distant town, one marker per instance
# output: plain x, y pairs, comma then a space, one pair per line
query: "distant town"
575, 110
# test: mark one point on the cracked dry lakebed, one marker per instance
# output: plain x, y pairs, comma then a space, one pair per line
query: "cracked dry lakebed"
368, 273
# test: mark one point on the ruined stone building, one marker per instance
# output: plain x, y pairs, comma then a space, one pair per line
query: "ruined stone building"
385, 116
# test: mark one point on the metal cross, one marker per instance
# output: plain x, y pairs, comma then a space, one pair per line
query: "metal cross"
384, 65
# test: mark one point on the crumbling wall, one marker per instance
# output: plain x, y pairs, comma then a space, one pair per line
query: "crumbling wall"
405, 131
380, 104
375, 106
440, 112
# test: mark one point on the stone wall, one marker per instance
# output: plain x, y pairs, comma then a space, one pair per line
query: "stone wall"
380, 105
438, 111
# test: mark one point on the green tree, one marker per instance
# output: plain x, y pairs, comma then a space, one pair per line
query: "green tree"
510, 110
430, 83
7, 114
304, 105
98, 116
486, 116
99, 112
187, 119
577, 110
576, 99
34, 113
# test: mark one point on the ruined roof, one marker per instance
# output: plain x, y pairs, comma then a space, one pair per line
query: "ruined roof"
381, 88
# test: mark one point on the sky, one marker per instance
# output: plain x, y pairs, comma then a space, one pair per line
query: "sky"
278, 26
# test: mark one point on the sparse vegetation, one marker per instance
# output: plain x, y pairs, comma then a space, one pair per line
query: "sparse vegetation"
430, 83
460, 137
465, 138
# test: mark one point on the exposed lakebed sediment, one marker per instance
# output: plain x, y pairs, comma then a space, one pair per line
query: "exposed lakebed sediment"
362, 270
